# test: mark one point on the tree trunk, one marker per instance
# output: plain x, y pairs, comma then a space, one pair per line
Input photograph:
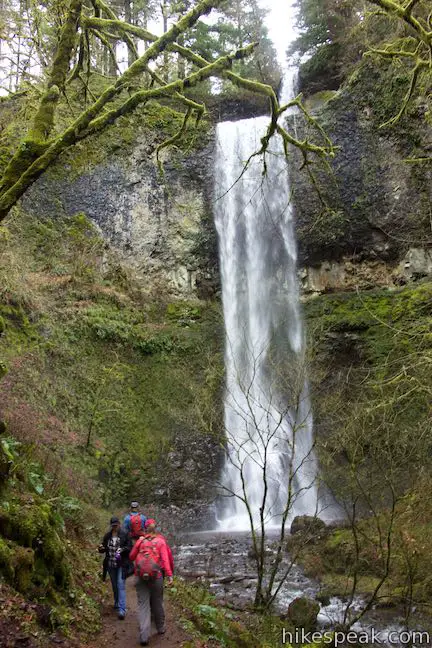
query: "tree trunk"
129, 19
165, 9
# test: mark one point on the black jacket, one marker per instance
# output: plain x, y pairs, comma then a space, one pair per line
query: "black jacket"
125, 547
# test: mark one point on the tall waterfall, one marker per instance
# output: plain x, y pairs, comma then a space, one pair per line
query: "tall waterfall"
270, 459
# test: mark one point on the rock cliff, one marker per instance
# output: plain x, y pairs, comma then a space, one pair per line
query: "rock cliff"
161, 225
376, 217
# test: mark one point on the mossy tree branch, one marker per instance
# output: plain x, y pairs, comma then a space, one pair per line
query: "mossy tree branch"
72, 134
419, 58
36, 153
44, 120
142, 84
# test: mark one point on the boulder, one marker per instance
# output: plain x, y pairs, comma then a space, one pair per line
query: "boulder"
303, 613
308, 525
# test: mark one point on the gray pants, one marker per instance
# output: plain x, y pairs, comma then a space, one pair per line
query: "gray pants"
150, 603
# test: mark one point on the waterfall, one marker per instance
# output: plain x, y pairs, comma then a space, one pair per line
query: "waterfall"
267, 412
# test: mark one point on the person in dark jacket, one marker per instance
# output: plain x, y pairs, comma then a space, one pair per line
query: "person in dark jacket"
116, 547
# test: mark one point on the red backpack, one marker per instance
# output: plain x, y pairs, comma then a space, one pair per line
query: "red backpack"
136, 525
147, 562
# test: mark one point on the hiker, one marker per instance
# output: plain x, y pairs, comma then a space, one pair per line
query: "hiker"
152, 562
116, 546
150, 527
134, 522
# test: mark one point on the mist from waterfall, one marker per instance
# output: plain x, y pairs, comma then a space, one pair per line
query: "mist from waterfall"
267, 412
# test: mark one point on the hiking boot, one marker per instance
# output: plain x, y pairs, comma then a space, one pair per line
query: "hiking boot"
161, 631
121, 616
143, 643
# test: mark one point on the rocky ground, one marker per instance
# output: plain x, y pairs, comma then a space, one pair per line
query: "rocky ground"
225, 561
125, 634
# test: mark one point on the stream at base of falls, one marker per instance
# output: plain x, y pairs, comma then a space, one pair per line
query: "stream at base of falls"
224, 563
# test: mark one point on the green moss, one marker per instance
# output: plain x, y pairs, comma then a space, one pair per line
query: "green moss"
23, 563
14, 316
370, 384
34, 550
28, 523
393, 81
319, 99
23, 158
6, 567
303, 613
380, 335
41, 575
183, 313
154, 122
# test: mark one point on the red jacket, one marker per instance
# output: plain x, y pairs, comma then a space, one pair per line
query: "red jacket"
170, 556
165, 555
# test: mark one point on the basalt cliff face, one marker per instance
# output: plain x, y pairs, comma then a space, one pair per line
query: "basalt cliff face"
374, 231
374, 228
161, 226
159, 221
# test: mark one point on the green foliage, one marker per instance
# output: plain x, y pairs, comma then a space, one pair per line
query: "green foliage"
323, 22
70, 509
99, 359
126, 327
239, 23
184, 313
39, 555
371, 376
31, 529
322, 70
9, 447
209, 621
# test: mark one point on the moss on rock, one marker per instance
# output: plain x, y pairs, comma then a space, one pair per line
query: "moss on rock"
23, 564
303, 613
6, 567
36, 555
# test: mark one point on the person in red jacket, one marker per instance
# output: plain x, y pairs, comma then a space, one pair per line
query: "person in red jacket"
150, 527
153, 560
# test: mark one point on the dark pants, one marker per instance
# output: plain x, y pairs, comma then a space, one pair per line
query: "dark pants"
150, 603
119, 589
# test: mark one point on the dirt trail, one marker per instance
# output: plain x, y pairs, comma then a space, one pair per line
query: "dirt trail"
125, 634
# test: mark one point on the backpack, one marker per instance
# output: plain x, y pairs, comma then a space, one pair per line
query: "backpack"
147, 562
136, 525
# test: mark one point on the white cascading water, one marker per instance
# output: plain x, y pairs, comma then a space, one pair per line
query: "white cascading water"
270, 459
